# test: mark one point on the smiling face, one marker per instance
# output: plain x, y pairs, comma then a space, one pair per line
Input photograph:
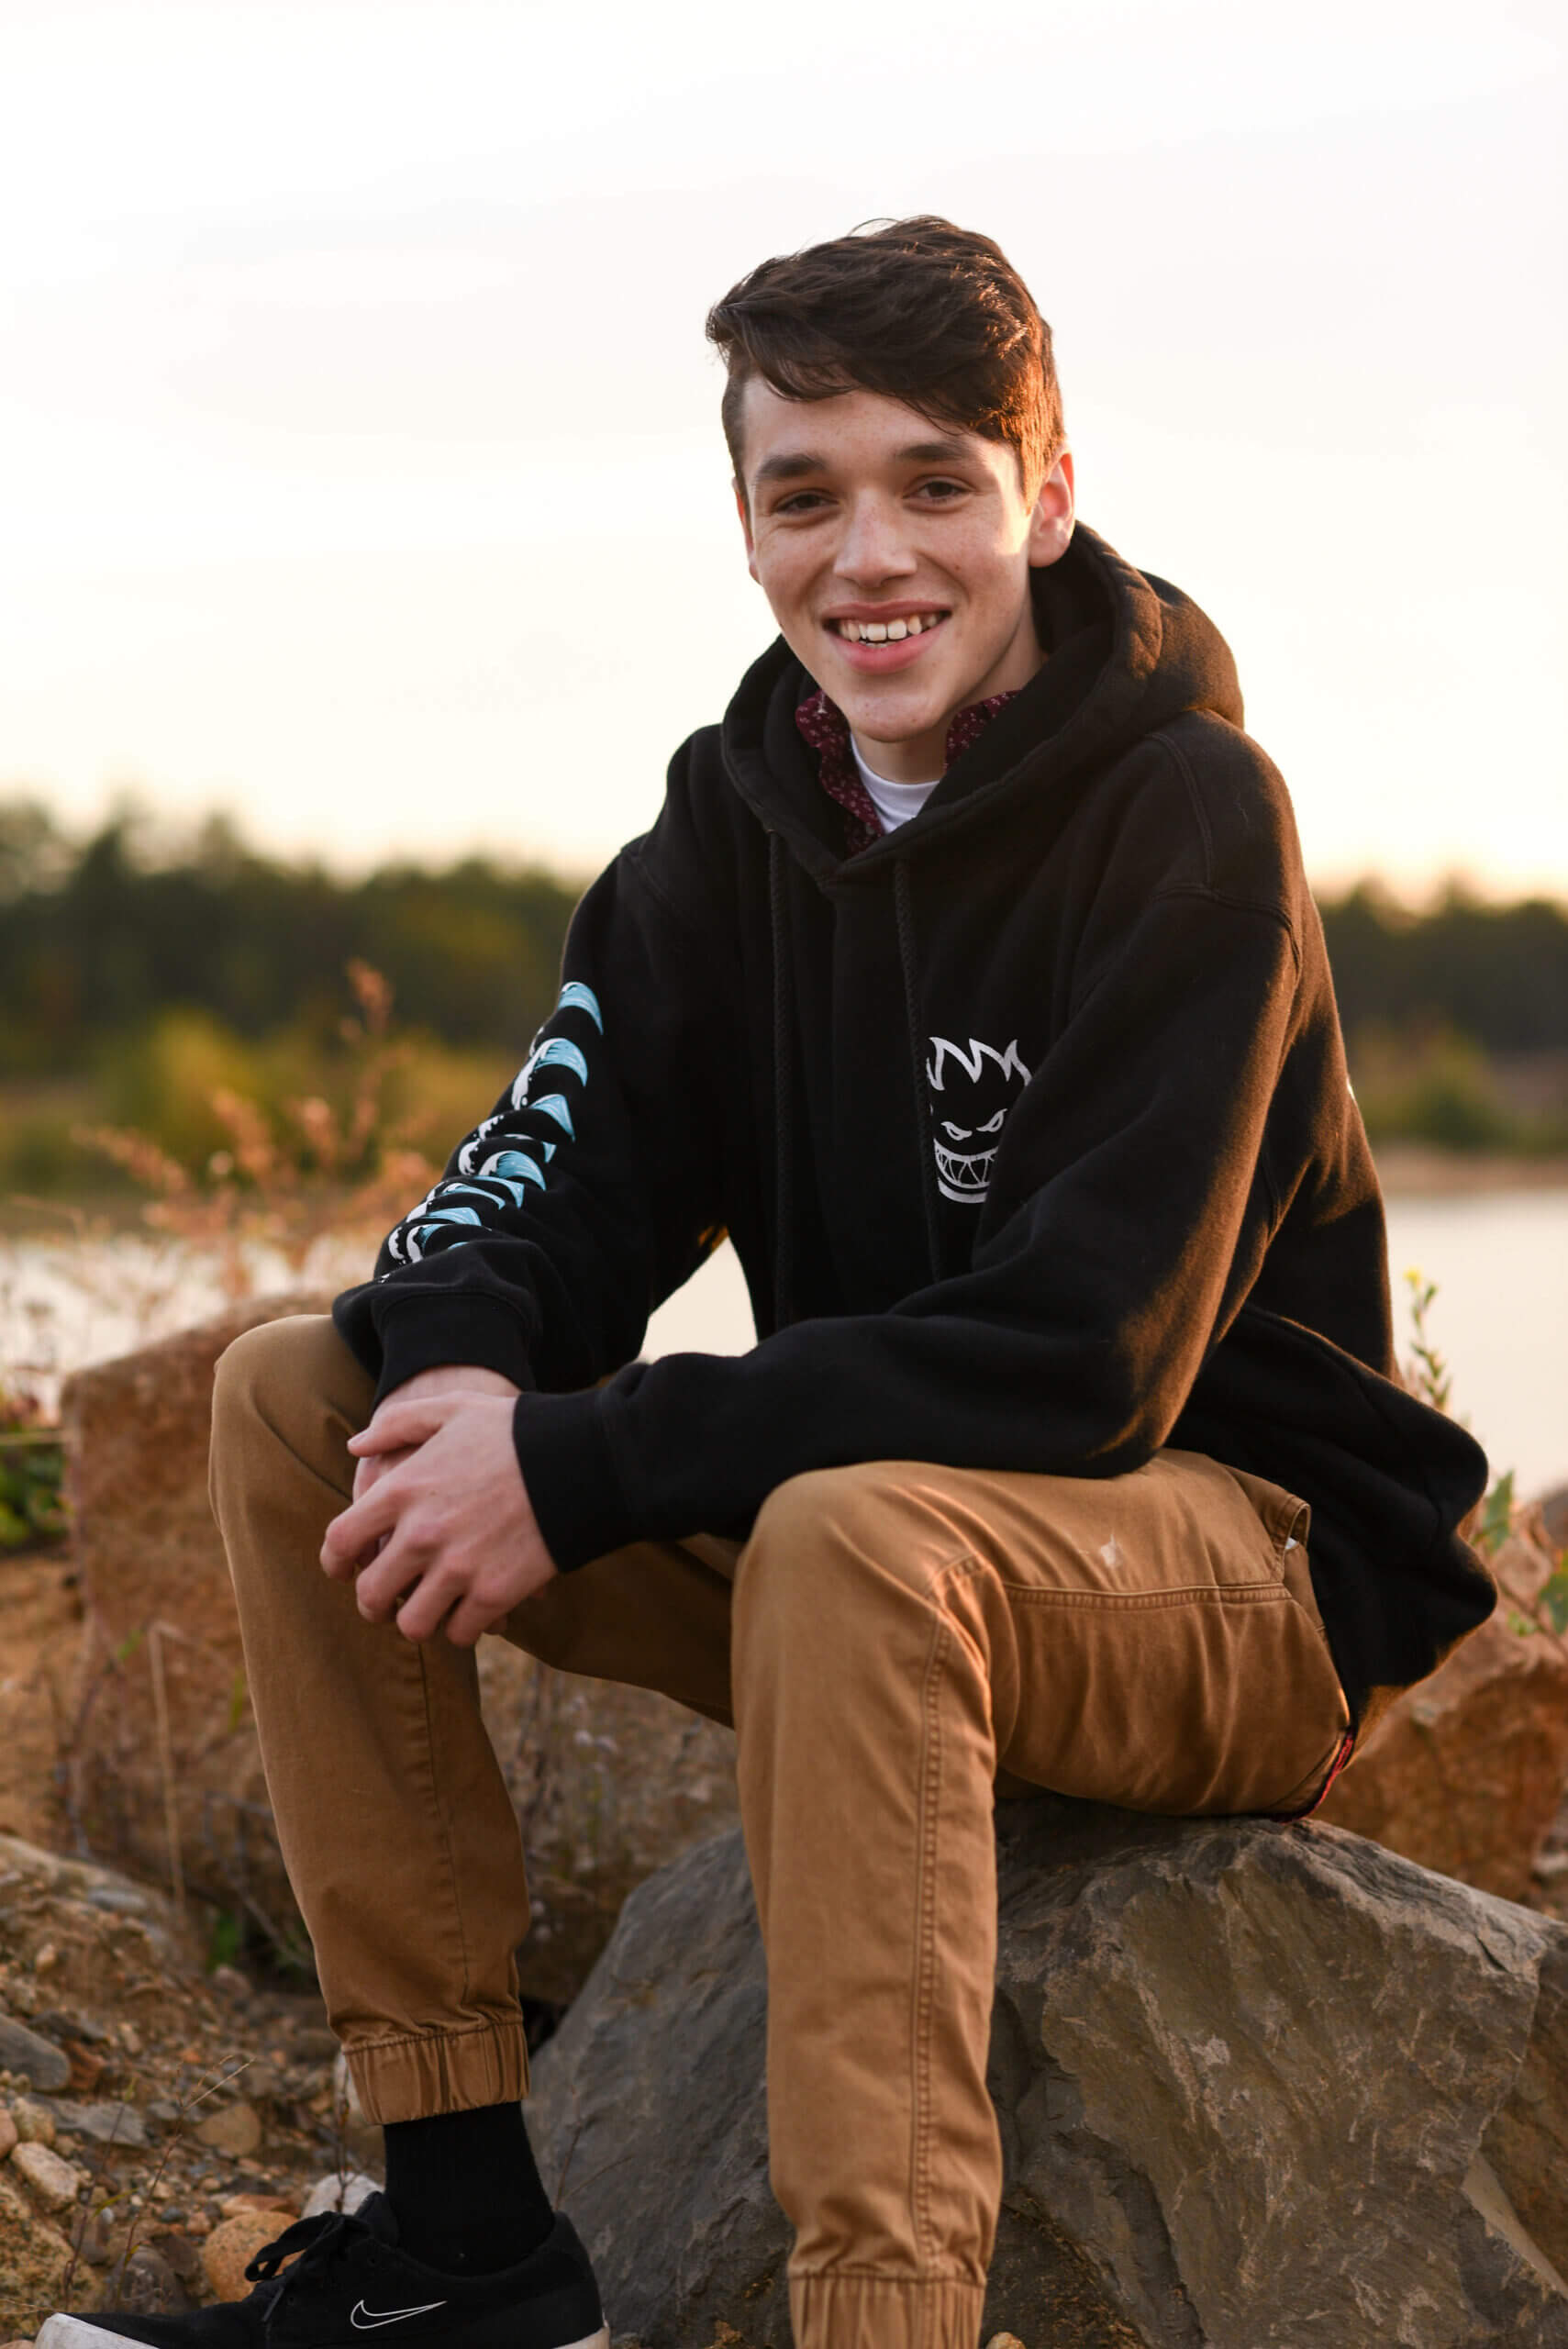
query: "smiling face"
895, 555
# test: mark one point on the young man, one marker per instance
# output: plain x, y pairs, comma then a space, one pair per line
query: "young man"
969, 980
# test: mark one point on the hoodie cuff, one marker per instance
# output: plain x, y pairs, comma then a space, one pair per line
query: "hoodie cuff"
442, 1329
569, 1469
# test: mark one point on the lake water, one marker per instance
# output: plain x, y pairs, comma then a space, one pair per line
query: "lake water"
1499, 1259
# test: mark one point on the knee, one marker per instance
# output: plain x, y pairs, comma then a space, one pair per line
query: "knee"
283, 1376
831, 1531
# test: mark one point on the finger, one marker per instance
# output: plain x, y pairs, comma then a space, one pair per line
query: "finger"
387, 1583
351, 1538
371, 1470
424, 1608
469, 1618
398, 1427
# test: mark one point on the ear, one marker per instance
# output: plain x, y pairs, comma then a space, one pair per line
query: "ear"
745, 512
1051, 517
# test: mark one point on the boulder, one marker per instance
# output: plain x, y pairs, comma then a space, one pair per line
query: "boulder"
164, 1751
1467, 1771
609, 1782
1553, 1508
1260, 2086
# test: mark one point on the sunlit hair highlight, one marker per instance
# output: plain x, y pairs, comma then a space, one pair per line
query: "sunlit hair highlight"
919, 310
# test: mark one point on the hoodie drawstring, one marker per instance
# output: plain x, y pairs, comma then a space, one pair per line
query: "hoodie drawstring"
784, 1197
905, 917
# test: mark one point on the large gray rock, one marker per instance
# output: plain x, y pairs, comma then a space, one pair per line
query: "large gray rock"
1258, 2086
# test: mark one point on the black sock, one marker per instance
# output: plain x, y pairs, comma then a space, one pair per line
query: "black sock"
465, 2191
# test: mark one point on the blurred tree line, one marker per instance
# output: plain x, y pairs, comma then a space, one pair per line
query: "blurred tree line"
141, 975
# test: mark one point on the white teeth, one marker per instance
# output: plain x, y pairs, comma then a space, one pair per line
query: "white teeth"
886, 632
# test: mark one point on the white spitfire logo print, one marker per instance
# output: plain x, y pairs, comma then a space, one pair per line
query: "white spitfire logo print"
975, 1088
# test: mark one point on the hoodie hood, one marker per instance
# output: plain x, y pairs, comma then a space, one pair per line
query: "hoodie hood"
1126, 653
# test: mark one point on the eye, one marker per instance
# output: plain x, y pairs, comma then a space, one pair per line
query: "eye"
957, 1133
940, 492
994, 1125
800, 501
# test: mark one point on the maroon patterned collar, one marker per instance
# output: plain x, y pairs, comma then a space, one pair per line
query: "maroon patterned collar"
826, 730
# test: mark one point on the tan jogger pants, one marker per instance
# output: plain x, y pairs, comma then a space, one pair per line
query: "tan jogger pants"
892, 1639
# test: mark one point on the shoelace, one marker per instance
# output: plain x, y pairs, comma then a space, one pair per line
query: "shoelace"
317, 2241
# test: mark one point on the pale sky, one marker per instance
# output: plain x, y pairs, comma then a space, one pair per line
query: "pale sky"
360, 466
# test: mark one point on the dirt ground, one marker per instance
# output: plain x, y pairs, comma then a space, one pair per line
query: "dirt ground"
195, 2110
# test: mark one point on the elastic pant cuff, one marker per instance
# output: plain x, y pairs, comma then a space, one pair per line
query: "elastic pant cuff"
439, 2071
840, 2311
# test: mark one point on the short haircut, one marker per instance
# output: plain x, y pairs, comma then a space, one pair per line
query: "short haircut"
934, 315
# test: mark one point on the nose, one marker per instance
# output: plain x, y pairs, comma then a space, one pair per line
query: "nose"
873, 546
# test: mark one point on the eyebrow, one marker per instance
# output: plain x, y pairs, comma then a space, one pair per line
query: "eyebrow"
793, 463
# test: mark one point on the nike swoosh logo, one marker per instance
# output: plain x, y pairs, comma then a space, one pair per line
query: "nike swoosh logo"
364, 2318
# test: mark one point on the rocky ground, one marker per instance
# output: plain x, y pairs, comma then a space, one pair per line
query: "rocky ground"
159, 2121
160, 2118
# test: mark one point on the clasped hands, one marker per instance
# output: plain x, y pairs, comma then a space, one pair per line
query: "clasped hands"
441, 1535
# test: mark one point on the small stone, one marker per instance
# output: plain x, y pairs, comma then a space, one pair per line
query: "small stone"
105, 2124
233, 2245
179, 2253
34, 2119
46, 1958
269, 2206
57, 2024
10, 2135
1003, 2341
145, 2285
33, 2058
335, 2192
161, 2112
230, 1984
130, 2038
94, 2238
118, 1899
235, 2129
54, 2181
314, 2046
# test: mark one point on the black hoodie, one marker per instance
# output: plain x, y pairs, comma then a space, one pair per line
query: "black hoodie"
1029, 1123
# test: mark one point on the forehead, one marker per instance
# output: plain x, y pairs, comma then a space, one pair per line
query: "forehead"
852, 431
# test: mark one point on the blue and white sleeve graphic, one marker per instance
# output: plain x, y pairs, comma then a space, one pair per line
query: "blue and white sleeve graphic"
509, 1156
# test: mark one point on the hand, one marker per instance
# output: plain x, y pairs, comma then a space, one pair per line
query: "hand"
446, 1378
447, 1539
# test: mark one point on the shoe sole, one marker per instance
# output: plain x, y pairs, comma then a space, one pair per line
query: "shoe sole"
76, 2332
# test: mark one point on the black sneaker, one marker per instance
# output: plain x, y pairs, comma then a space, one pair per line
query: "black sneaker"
350, 2281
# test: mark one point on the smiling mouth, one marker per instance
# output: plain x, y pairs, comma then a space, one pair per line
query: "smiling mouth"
964, 1179
892, 630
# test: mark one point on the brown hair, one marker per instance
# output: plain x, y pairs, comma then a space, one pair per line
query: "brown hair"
934, 315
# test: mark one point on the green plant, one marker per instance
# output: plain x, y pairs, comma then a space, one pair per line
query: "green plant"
32, 1465
1496, 1516
1429, 1374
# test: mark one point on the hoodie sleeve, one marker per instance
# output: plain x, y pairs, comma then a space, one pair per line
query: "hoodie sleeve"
1128, 1218
590, 1191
